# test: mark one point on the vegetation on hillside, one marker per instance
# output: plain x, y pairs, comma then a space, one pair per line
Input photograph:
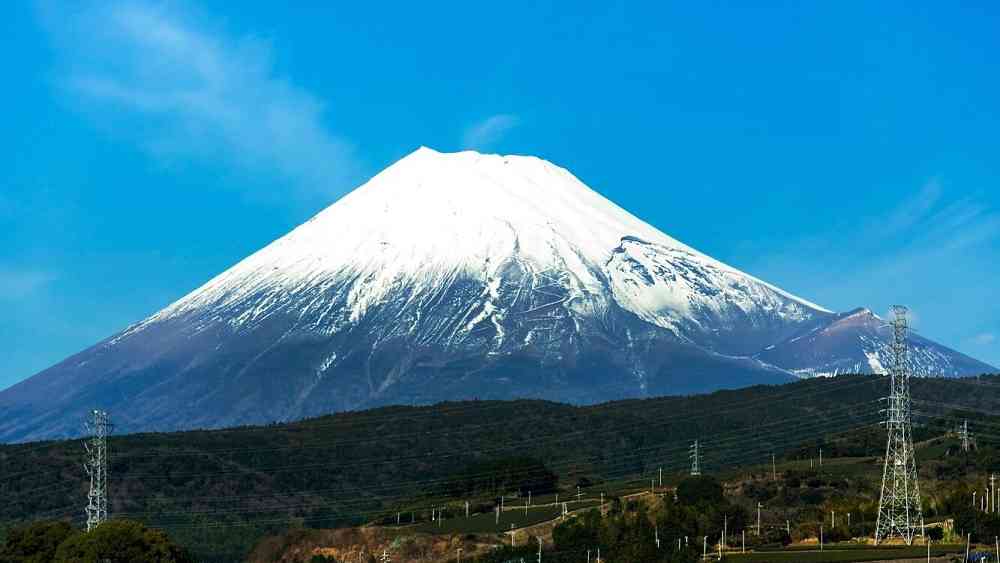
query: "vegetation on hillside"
115, 541
219, 491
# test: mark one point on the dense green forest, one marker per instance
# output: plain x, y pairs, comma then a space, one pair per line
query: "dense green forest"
219, 491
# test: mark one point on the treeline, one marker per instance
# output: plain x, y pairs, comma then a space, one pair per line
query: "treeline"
115, 541
219, 491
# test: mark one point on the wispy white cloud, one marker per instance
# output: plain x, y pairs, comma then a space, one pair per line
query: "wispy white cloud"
185, 88
920, 236
910, 212
486, 133
18, 283
959, 229
934, 252
984, 339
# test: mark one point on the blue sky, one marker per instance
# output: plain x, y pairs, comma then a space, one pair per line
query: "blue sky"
844, 151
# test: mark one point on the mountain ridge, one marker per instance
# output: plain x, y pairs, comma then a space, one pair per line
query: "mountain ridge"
450, 276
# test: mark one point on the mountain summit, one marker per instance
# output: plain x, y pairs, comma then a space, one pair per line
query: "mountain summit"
453, 276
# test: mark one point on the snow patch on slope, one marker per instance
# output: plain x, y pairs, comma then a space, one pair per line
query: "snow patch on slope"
432, 220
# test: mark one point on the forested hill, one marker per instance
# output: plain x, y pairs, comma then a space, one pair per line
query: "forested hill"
220, 490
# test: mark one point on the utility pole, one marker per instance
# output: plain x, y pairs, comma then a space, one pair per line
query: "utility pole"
661, 477
744, 534
758, 519
725, 529
774, 469
695, 459
899, 511
993, 492
704, 547
821, 457
821, 537
466, 509
96, 446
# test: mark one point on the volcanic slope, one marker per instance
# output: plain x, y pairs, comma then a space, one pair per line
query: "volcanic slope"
446, 276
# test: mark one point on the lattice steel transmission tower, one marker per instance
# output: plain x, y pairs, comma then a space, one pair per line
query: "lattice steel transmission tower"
695, 459
963, 434
899, 511
98, 426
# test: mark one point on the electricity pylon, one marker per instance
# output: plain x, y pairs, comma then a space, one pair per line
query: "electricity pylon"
963, 434
695, 459
96, 446
899, 511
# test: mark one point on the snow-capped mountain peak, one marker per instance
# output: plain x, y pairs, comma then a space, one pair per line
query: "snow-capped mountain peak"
433, 216
445, 276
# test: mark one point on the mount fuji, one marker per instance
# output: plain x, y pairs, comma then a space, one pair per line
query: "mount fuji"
455, 276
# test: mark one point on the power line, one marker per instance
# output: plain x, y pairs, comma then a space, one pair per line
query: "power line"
344, 503
662, 421
738, 432
737, 435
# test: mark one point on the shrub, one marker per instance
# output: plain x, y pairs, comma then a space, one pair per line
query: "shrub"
35, 543
120, 541
699, 490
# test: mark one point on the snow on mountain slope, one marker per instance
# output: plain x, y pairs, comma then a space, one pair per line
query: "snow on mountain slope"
445, 276
859, 342
432, 217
